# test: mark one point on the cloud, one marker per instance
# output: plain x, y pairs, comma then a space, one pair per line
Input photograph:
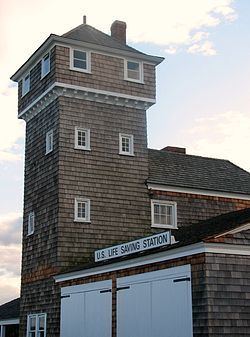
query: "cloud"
10, 226
222, 135
10, 252
204, 48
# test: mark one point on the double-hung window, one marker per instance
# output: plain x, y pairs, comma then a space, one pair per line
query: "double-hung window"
82, 138
26, 84
133, 71
49, 141
82, 210
45, 65
36, 325
126, 144
164, 214
31, 223
80, 60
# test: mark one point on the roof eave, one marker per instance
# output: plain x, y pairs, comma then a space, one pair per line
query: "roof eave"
54, 39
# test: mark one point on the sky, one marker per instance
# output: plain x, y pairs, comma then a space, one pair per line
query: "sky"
203, 86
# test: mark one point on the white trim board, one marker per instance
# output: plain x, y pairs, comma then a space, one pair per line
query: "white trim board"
9, 321
194, 249
167, 188
236, 230
68, 90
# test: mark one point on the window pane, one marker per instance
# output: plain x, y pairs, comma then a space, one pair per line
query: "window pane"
81, 210
32, 334
46, 65
81, 138
80, 64
41, 322
133, 66
32, 323
40, 334
135, 75
81, 55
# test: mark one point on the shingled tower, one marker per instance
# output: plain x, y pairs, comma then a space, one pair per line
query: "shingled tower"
84, 97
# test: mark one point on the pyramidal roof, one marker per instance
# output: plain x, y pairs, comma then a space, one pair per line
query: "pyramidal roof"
89, 34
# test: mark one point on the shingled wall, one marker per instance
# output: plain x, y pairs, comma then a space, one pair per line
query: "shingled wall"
192, 208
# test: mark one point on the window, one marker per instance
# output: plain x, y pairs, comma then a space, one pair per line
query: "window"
164, 214
126, 144
49, 141
45, 65
82, 210
31, 223
26, 84
36, 325
133, 71
80, 60
82, 139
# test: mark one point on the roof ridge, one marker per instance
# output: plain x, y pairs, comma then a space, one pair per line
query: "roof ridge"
190, 155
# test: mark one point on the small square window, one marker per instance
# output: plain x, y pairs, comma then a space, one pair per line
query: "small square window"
82, 210
82, 139
49, 141
164, 214
80, 60
133, 71
31, 223
36, 325
126, 144
26, 84
45, 65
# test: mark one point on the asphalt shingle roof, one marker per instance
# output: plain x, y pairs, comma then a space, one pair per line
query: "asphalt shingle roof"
89, 34
182, 170
10, 309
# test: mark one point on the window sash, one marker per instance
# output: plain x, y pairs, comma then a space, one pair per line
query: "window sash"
34, 326
82, 138
26, 84
80, 60
164, 214
31, 223
133, 71
82, 209
45, 65
126, 145
49, 141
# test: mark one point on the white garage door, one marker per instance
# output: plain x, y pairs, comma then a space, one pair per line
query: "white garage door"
86, 310
155, 304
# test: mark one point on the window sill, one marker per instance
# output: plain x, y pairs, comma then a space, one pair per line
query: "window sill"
82, 148
134, 81
81, 220
126, 154
164, 226
86, 71
43, 76
25, 94
29, 234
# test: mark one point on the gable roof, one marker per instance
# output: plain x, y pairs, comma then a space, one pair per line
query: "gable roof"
212, 227
89, 34
182, 170
10, 309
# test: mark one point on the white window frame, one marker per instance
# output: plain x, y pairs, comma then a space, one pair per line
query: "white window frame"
87, 135
36, 316
141, 75
88, 60
43, 74
31, 223
49, 141
25, 89
173, 205
131, 144
87, 210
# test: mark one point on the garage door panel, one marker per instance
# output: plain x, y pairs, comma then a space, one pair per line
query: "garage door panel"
133, 306
72, 312
98, 314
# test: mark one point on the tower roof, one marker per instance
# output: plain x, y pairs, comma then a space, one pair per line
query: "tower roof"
89, 34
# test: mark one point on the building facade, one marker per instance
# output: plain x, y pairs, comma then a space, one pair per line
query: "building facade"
91, 182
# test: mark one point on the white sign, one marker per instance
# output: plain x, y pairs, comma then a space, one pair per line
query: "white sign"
140, 245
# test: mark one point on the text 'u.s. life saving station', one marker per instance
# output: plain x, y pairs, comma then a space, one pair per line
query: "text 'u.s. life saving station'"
150, 242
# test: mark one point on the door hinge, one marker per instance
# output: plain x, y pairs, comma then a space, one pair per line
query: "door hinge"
65, 296
105, 291
182, 279
122, 288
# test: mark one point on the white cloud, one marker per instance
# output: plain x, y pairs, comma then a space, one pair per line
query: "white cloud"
204, 48
225, 135
10, 252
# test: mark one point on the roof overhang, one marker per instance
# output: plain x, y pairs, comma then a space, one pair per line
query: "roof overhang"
10, 321
53, 40
190, 190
